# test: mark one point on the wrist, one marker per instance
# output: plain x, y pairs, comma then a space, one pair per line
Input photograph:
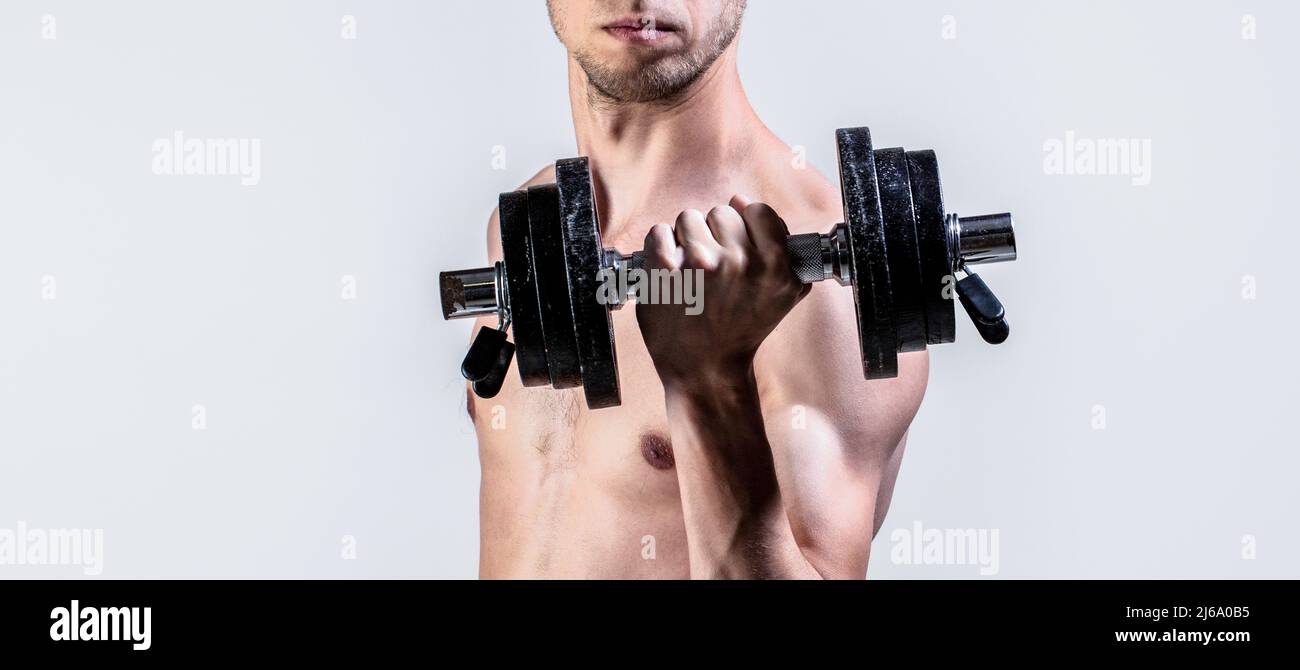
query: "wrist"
720, 440
722, 376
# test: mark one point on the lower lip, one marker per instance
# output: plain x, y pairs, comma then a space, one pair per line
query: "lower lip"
639, 35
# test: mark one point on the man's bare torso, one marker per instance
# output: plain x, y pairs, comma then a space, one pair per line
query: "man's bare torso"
568, 492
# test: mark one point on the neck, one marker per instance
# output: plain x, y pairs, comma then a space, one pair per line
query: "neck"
640, 151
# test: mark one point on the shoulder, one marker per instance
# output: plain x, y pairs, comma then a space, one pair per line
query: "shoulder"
805, 198
543, 176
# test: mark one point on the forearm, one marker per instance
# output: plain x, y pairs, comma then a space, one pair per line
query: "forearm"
736, 524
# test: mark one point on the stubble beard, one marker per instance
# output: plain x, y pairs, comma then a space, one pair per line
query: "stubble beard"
664, 81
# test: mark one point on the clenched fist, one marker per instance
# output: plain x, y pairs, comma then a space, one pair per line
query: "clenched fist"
748, 287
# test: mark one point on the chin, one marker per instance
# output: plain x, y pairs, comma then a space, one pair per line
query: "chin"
632, 64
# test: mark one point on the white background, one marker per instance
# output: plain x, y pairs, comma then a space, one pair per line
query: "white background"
329, 418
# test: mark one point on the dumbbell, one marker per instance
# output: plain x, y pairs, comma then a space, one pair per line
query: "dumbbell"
898, 249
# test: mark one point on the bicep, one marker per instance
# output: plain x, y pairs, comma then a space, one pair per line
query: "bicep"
836, 437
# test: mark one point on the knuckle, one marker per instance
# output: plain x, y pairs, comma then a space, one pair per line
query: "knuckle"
657, 234
757, 211
687, 217
722, 213
762, 215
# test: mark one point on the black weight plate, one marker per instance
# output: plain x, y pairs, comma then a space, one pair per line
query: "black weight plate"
900, 242
521, 286
584, 257
938, 284
553, 286
872, 296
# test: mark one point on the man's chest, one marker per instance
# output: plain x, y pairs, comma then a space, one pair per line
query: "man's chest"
554, 430
572, 492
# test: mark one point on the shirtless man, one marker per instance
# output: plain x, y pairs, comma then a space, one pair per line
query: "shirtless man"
727, 459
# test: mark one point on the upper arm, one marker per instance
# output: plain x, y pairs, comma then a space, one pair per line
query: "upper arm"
836, 438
